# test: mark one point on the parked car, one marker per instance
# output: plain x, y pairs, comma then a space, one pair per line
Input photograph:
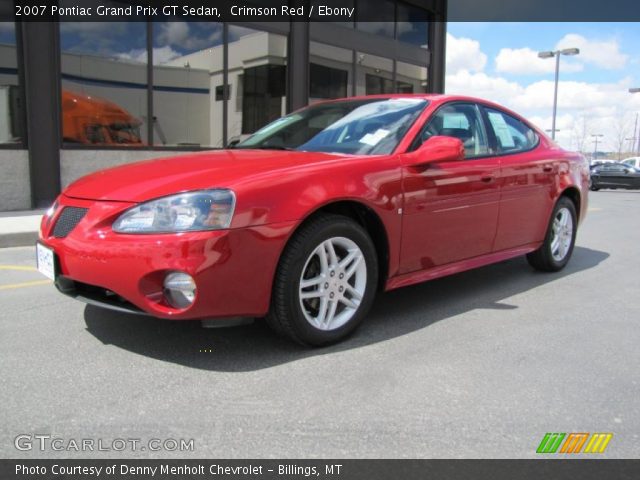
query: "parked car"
601, 161
632, 161
614, 175
303, 222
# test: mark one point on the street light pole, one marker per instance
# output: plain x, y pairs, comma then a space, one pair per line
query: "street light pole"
555, 98
595, 149
636, 135
550, 54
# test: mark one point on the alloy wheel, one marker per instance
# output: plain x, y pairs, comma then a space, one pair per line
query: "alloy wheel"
562, 234
333, 283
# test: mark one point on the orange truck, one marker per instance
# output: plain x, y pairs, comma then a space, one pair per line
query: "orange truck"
91, 120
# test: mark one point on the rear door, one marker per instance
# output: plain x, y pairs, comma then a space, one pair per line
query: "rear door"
450, 208
527, 184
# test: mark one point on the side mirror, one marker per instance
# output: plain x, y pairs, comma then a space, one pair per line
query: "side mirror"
438, 149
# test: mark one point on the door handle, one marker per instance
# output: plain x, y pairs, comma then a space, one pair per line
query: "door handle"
487, 178
547, 168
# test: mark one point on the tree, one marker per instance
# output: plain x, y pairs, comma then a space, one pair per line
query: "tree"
580, 133
621, 129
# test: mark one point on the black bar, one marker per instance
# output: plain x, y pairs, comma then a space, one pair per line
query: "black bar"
437, 45
225, 85
41, 62
230, 11
298, 64
151, 122
338, 469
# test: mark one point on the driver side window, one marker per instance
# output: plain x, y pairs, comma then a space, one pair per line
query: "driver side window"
461, 121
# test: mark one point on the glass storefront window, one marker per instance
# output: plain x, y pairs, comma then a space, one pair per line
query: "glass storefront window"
257, 80
329, 72
411, 78
412, 25
104, 83
376, 9
187, 83
374, 74
11, 104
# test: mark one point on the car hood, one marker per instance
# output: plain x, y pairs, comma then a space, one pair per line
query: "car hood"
141, 181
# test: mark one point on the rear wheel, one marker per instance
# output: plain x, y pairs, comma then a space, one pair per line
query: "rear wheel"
325, 283
560, 238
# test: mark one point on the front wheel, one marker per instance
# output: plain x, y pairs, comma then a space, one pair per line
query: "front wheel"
559, 240
325, 282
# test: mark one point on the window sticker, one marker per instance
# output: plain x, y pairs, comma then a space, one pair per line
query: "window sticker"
501, 129
374, 138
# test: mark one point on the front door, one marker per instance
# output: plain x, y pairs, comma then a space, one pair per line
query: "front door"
450, 210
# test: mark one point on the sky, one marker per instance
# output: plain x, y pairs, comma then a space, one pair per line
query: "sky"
498, 61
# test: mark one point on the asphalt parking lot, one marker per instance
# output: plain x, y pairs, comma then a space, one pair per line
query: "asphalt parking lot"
479, 365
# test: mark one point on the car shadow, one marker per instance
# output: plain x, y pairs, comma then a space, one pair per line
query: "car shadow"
254, 347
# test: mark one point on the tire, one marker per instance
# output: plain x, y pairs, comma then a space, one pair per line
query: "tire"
559, 240
326, 308
593, 187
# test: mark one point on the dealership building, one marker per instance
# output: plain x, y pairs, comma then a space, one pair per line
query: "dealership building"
79, 97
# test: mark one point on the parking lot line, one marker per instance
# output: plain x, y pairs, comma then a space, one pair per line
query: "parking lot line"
23, 268
34, 283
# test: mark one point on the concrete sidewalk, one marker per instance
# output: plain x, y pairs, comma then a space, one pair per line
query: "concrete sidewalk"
19, 229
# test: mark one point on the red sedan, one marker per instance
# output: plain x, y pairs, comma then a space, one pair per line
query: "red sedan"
303, 222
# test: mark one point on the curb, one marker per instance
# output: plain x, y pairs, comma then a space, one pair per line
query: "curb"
18, 239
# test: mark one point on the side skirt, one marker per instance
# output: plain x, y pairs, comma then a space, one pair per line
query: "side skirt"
457, 267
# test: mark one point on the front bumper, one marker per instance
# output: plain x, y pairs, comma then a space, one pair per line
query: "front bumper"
233, 269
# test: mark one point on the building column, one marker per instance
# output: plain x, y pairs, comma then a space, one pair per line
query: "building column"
437, 47
298, 65
41, 60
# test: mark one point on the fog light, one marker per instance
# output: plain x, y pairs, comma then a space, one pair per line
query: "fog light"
179, 289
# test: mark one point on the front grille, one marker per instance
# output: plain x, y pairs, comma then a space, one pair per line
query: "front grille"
67, 221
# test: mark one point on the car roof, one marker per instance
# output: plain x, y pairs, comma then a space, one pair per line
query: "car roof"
438, 99
433, 97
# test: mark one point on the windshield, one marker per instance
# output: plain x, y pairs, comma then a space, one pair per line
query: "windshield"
362, 127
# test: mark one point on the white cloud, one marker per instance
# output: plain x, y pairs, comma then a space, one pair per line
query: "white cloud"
604, 54
174, 33
180, 34
464, 54
524, 61
481, 85
161, 55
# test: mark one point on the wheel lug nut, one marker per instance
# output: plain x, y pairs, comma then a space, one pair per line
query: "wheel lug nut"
333, 274
331, 295
341, 289
342, 275
326, 285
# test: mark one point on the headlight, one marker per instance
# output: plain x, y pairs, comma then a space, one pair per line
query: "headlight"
185, 212
52, 209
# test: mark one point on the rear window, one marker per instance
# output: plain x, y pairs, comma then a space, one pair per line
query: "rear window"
511, 134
